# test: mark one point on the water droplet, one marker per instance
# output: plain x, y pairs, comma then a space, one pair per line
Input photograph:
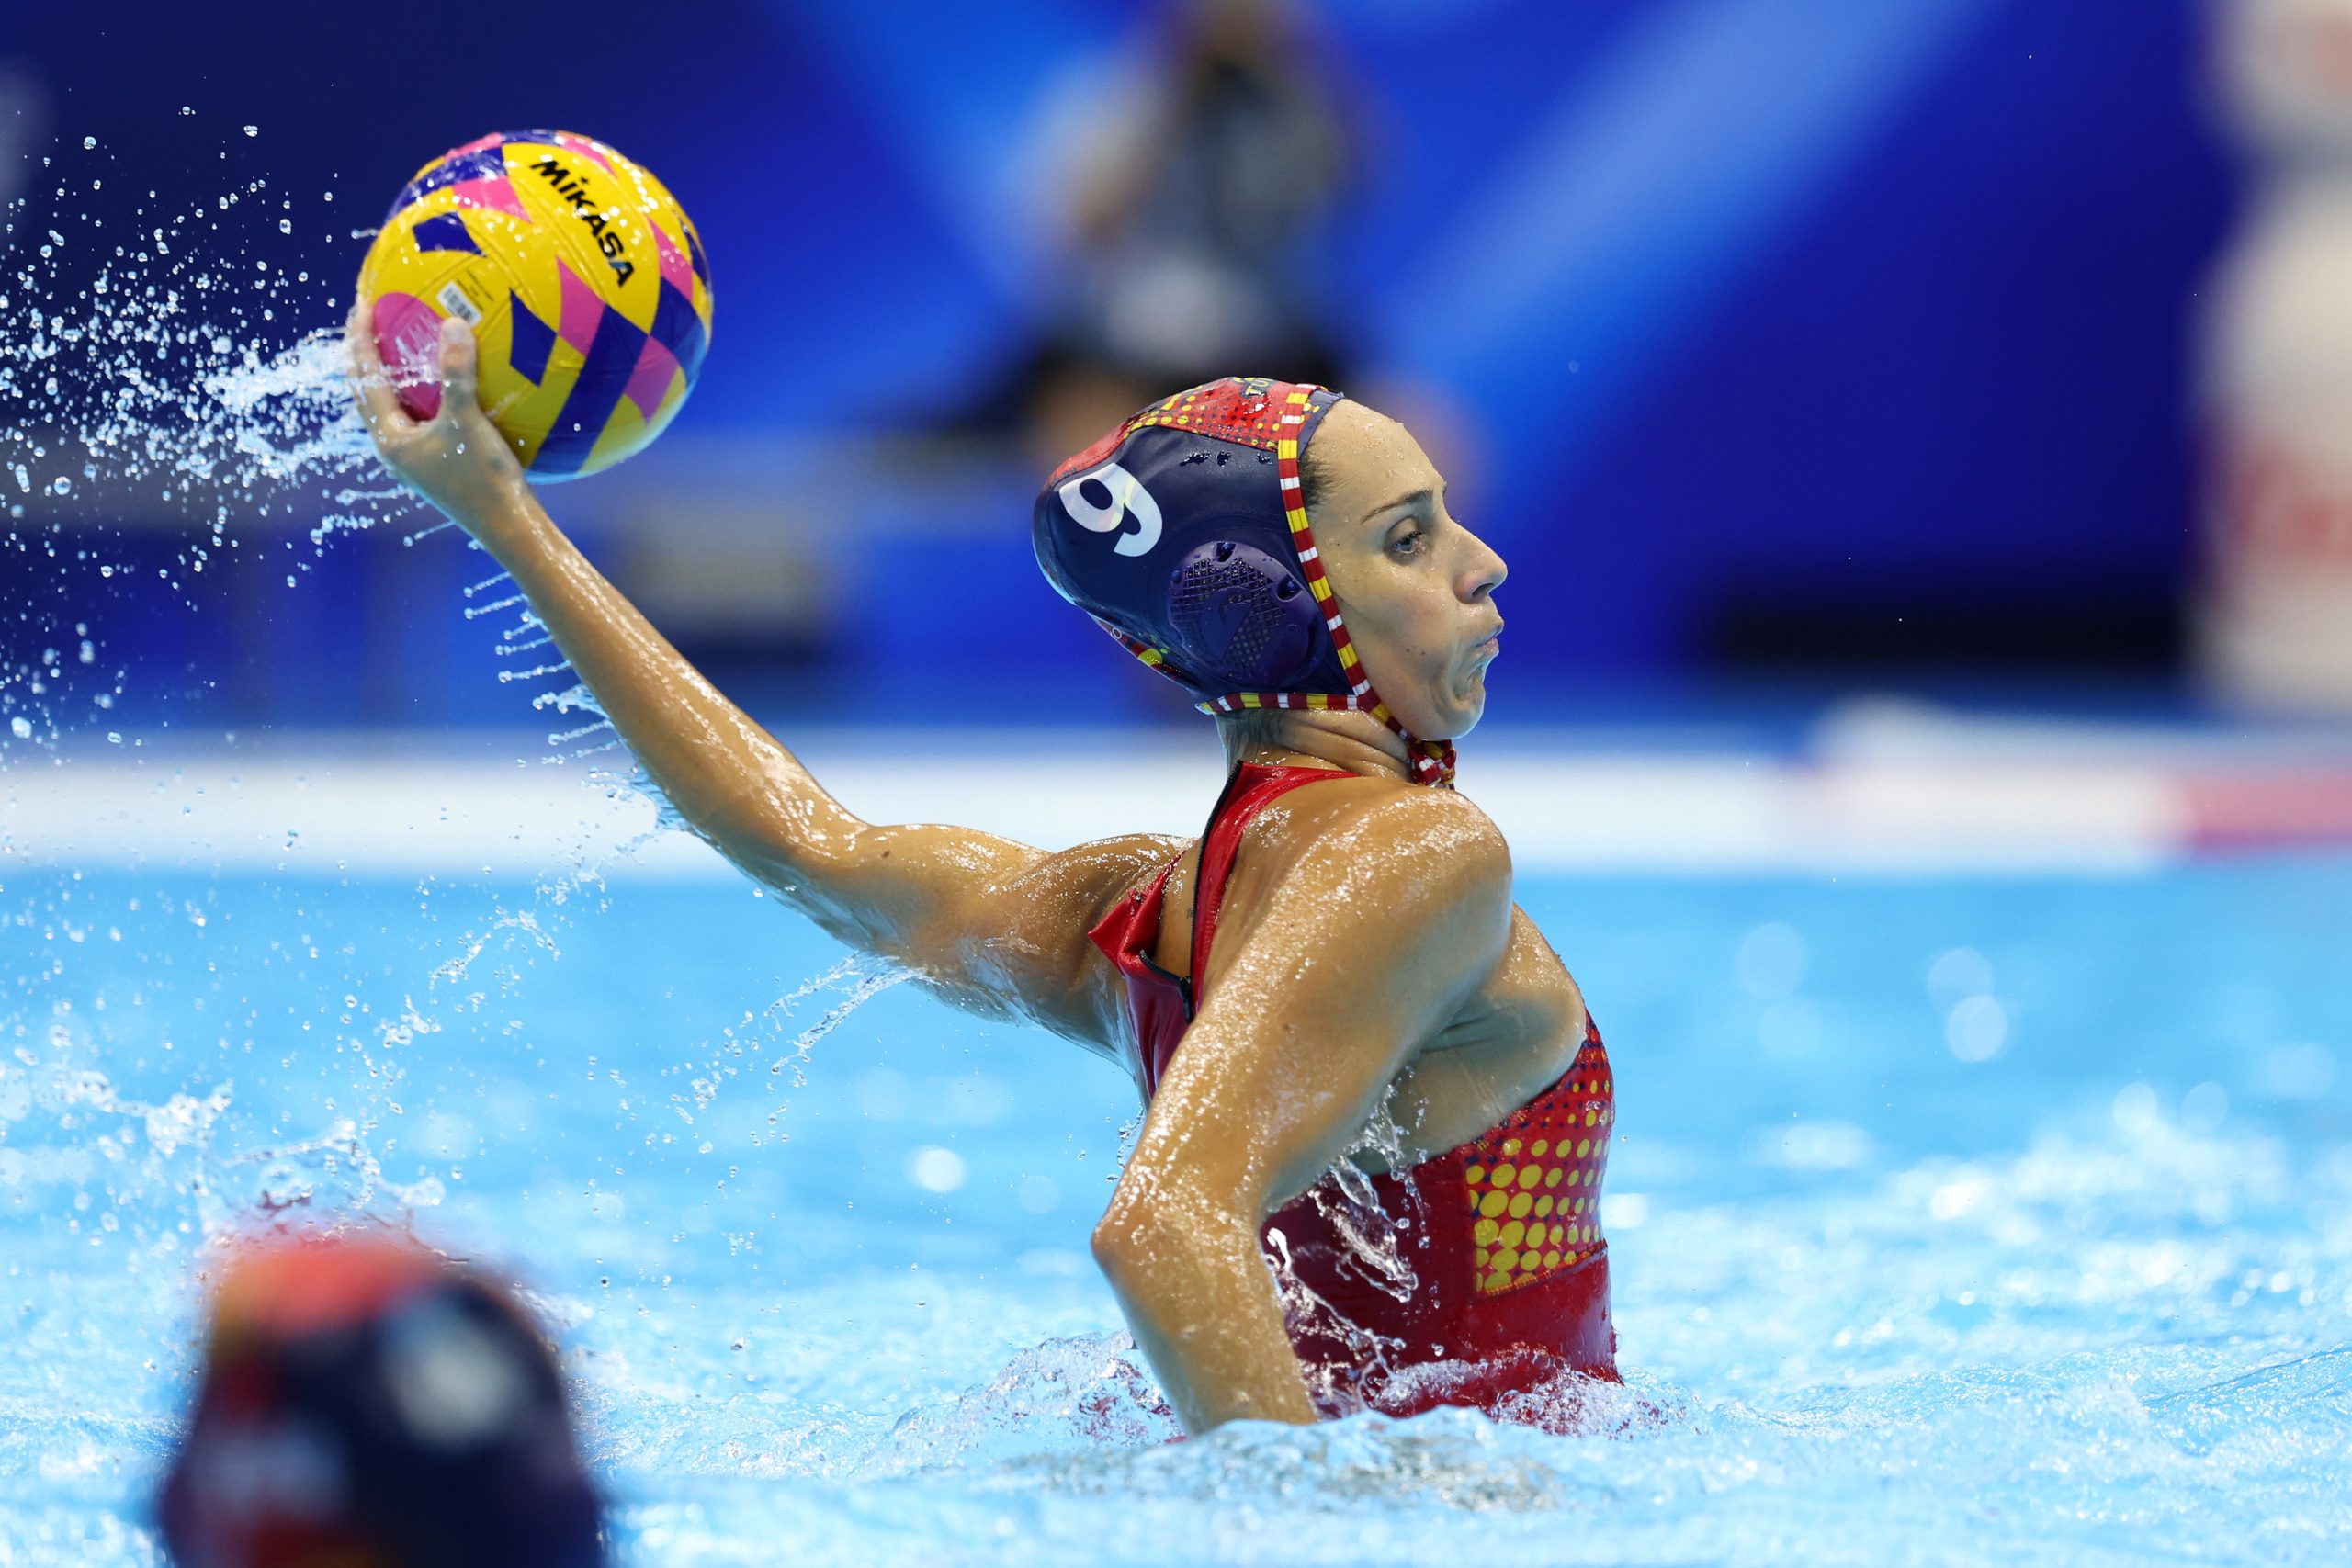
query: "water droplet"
252, 131
88, 142
21, 728
60, 485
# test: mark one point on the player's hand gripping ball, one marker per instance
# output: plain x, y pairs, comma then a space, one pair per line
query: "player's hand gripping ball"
583, 282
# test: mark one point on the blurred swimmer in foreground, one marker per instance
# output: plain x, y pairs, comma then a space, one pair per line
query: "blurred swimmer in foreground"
1378, 1112
365, 1405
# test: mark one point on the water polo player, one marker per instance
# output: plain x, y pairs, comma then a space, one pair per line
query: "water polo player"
1335, 969
364, 1402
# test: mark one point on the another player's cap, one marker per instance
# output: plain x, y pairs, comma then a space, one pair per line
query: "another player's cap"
366, 1404
1183, 533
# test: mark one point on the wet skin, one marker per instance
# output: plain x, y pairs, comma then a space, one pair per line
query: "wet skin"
1369, 957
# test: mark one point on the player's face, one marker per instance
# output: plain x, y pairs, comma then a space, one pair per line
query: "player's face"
1417, 588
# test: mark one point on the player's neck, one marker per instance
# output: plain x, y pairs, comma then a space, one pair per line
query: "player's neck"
1353, 742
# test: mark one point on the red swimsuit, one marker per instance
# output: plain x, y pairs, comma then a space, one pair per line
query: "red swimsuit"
1504, 1281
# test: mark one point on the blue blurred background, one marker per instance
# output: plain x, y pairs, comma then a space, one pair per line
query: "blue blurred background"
1778, 344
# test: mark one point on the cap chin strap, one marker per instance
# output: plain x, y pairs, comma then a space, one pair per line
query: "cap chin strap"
1432, 761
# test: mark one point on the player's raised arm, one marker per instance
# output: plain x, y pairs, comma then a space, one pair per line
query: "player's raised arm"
988, 923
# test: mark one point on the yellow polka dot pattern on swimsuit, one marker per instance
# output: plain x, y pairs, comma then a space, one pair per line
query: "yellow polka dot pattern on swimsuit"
1534, 1183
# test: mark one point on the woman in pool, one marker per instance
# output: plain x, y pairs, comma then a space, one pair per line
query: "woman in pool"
1378, 1112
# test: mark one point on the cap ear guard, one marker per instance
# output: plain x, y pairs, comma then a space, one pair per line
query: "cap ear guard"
1183, 533
1235, 610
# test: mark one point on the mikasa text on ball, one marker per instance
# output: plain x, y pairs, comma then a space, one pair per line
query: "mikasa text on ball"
583, 281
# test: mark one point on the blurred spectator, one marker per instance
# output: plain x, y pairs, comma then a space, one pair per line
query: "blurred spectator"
2275, 618
365, 1403
1191, 189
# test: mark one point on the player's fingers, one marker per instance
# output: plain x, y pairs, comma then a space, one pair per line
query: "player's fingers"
457, 361
369, 384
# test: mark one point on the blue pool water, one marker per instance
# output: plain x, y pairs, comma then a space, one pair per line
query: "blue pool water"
2083, 1300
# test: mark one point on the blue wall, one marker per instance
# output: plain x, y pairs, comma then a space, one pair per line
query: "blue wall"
1848, 329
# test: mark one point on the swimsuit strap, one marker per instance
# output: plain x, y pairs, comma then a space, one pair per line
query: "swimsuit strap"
1251, 790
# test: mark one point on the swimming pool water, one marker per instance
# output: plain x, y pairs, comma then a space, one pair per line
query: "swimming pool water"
1957, 1220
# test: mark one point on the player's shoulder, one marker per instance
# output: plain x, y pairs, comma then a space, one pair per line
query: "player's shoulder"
1381, 824
1393, 806
1086, 880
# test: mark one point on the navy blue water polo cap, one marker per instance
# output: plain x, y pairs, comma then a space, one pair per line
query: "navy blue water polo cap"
1183, 531
364, 1402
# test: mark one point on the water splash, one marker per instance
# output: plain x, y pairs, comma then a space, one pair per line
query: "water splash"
154, 365
180, 365
858, 978
335, 1174
1373, 1234
1376, 1238
157, 366
154, 1173
162, 368
1075, 1396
